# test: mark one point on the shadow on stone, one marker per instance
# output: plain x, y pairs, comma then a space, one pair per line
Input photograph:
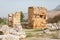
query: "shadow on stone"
1, 33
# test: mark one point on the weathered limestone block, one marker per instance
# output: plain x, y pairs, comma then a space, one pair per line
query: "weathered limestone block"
15, 33
5, 29
19, 28
37, 17
14, 19
52, 26
9, 37
39, 23
18, 32
10, 18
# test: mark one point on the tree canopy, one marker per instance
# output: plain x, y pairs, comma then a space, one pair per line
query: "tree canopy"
22, 16
2, 21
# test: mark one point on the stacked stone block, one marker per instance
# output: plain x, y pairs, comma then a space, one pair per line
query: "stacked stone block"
14, 19
37, 17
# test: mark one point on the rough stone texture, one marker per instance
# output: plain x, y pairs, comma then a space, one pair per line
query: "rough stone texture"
18, 31
52, 26
15, 33
9, 37
47, 31
5, 29
14, 19
19, 28
58, 24
10, 18
37, 17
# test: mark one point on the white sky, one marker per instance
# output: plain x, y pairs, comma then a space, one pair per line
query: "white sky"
10, 6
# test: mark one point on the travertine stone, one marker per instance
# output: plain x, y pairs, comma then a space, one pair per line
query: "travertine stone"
10, 20
37, 17
15, 33
14, 19
18, 31
9, 37
5, 29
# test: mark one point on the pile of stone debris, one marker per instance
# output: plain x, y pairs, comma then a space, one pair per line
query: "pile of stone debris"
15, 33
53, 26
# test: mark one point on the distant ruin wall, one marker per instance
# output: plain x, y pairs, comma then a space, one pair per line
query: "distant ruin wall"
10, 20
14, 19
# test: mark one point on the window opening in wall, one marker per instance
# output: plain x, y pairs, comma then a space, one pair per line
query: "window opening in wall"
41, 16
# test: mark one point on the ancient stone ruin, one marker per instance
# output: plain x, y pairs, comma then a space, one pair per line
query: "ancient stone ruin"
37, 17
10, 18
14, 19
14, 33
14, 29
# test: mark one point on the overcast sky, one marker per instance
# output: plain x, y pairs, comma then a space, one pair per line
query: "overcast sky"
10, 6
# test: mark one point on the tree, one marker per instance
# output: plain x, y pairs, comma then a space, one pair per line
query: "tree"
2, 21
22, 16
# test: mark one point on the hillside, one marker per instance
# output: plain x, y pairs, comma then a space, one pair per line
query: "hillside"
54, 12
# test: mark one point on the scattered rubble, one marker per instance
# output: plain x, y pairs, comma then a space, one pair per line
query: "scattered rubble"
47, 31
5, 29
52, 26
14, 33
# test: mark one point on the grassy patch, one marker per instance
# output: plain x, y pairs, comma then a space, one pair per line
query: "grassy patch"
29, 35
37, 30
54, 36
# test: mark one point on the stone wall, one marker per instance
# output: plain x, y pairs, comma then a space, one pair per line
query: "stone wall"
37, 17
14, 19
10, 20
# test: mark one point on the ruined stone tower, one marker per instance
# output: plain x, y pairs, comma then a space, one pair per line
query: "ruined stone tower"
14, 19
10, 18
37, 17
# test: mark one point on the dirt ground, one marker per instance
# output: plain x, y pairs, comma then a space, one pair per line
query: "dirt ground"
35, 34
39, 38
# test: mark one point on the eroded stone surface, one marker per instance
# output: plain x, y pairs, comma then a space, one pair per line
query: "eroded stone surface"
37, 17
14, 33
9, 37
5, 29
